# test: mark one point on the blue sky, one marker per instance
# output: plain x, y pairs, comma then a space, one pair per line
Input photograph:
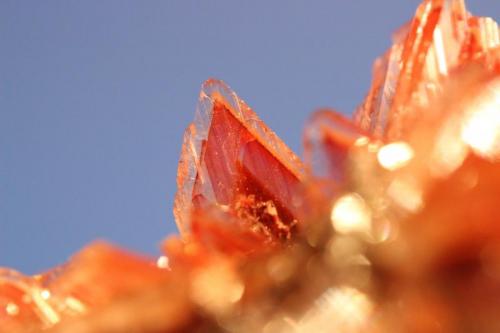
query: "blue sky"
95, 96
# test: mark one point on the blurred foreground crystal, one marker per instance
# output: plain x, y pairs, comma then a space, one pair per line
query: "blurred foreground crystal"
391, 226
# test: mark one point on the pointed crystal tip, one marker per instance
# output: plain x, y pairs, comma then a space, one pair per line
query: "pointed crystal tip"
441, 37
229, 154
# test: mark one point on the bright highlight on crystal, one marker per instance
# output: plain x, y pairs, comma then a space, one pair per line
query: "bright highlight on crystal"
12, 309
481, 129
351, 214
395, 155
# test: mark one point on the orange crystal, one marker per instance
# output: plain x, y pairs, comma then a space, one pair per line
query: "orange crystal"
328, 139
420, 163
442, 36
109, 265
21, 302
229, 157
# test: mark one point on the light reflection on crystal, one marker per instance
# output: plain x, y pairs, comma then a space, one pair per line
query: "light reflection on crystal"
481, 127
25, 298
448, 153
216, 300
342, 309
162, 262
395, 155
361, 141
12, 309
405, 194
49, 314
74, 305
351, 214
45, 294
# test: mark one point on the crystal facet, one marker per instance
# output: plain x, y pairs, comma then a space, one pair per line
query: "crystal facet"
400, 231
229, 157
441, 37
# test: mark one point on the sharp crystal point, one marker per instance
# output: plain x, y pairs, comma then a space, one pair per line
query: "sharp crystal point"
229, 154
441, 37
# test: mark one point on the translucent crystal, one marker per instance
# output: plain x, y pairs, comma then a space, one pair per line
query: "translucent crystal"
229, 156
328, 138
405, 240
372, 115
430, 47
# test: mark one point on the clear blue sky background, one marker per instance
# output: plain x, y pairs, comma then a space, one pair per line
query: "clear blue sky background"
95, 96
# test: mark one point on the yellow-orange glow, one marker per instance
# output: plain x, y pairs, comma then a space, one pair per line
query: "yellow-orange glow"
162, 262
342, 309
219, 299
449, 152
361, 141
395, 155
49, 315
481, 129
440, 51
405, 195
12, 309
75, 305
351, 214
45, 294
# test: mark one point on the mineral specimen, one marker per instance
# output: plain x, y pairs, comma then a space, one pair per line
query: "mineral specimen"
391, 226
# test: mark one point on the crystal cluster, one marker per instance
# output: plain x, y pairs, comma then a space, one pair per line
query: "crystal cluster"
389, 225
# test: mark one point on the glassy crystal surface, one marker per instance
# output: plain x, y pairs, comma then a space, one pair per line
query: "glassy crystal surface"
405, 239
372, 115
229, 157
441, 37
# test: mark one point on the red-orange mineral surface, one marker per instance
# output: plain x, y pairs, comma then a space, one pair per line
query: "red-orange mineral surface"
392, 225
233, 161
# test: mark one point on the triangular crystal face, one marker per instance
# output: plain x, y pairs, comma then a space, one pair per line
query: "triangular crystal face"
229, 156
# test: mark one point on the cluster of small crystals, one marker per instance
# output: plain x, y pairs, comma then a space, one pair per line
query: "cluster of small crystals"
389, 225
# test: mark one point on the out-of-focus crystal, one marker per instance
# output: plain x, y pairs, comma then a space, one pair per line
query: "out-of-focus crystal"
26, 302
328, 138
109, 265
21, 302
221, 231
